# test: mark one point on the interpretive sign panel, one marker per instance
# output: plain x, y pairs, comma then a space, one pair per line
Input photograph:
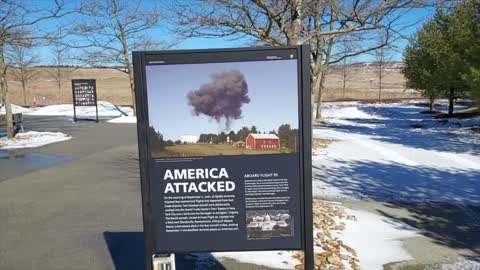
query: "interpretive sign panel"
225, 151
84, 93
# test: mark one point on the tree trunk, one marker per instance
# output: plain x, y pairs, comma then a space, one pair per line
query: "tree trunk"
344, 83
432, 102
59, 84
319, 84
294, 28
8, 109
451, 99
323, 71
4, 88
132, 89
122, 37
24, 90
380, 83
315, 92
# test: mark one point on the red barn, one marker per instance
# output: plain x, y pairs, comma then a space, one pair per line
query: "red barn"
262, 141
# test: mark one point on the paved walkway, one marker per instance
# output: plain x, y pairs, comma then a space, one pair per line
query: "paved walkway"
83, 211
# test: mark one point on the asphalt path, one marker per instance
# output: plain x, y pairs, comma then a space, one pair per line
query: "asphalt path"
76, 204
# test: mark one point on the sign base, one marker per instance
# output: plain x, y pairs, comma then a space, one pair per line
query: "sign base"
163, 261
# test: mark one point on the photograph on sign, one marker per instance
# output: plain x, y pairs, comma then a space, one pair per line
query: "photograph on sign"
224, 108
222, 150
268, 223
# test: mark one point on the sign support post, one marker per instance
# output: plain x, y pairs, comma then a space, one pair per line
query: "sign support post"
163, 261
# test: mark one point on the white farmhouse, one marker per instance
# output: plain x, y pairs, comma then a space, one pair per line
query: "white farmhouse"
189, 139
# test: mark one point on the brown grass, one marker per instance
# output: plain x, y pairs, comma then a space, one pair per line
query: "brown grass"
204, 149
320, 143
113, 86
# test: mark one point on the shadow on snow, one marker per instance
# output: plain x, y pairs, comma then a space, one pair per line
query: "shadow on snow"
406, 126
441, 204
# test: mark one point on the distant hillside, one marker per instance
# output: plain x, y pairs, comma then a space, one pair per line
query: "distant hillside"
362, 82
112, 84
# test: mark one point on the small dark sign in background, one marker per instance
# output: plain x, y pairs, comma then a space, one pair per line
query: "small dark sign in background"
84, 93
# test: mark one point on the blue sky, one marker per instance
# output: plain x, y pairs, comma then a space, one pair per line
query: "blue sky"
272, 88
161, 33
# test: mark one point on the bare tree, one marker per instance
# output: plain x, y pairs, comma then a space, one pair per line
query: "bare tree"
22, 60
147, 43
18, 21
291, 22
383, 57
109, 30
61, 68
346, 67
346, 70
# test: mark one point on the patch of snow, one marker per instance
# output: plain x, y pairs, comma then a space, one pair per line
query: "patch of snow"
15, 109
123, 119
382, 245
32, 139
375, 249
273, 259
404, 156
350, 112
462, 264
105, 109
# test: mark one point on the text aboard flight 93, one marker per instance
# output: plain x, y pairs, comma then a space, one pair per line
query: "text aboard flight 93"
217, 180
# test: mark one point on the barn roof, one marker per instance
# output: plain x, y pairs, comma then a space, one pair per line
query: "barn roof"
263, 136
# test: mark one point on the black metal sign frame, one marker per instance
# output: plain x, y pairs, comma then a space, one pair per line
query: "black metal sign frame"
88, 96
140, 62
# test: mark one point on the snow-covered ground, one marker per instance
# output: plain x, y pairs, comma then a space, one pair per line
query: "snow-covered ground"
462, 265
15, 109
32, 139
390, 152
273, 259
382, 245
105, 109
387, 152
124, 119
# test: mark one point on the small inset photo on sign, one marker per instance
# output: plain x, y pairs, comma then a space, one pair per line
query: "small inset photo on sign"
266, 224
216, 109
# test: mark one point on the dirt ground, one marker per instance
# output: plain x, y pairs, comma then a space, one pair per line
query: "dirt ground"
112, 85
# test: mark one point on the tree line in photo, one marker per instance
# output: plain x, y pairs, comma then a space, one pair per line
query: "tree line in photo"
288, 137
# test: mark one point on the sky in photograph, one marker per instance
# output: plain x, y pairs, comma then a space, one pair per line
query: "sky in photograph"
272, 89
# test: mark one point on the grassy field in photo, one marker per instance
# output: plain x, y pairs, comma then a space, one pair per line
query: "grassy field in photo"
205, 149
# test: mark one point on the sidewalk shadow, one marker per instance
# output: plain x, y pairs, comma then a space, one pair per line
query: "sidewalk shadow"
451, 225
127, 251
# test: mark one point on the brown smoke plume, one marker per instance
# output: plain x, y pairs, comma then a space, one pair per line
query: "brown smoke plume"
222, 97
